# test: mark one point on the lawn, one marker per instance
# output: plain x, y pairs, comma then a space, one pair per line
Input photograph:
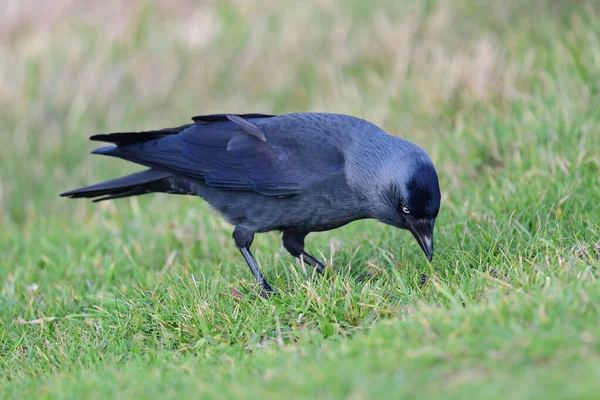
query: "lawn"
148, 297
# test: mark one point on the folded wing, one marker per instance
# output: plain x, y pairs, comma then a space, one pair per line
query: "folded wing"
233, 152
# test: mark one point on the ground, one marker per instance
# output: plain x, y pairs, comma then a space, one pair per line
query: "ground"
148, 297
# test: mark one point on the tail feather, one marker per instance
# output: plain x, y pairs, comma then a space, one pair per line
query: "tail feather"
125, 138
136, 191
131, 185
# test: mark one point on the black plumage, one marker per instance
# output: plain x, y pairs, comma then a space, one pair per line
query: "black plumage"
296, 173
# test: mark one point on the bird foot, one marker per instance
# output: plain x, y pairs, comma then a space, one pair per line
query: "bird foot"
265, 289
364, 276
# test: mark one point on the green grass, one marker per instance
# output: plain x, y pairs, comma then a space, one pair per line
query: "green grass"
148, 297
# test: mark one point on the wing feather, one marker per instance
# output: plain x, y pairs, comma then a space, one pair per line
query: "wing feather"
230, 153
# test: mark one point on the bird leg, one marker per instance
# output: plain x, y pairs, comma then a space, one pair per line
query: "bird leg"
294, 243
243, 240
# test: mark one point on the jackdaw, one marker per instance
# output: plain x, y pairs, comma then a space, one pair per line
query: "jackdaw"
294, 173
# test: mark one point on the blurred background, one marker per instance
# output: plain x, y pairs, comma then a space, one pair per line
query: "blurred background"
494, 91
71, 69
504, 96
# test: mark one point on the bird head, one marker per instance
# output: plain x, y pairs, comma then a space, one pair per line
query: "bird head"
410, 198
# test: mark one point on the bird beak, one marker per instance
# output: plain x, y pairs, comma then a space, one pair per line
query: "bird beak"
422, 230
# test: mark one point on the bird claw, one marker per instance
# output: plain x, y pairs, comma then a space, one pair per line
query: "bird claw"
364, 276
266, 290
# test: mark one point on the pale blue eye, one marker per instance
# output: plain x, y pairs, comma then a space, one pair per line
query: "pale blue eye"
405, 210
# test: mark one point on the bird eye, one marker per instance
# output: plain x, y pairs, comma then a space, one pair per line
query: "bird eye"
405, 210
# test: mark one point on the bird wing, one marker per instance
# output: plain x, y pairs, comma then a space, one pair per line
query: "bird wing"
235, 153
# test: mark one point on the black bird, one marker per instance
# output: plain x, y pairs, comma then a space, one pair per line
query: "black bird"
295, 173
